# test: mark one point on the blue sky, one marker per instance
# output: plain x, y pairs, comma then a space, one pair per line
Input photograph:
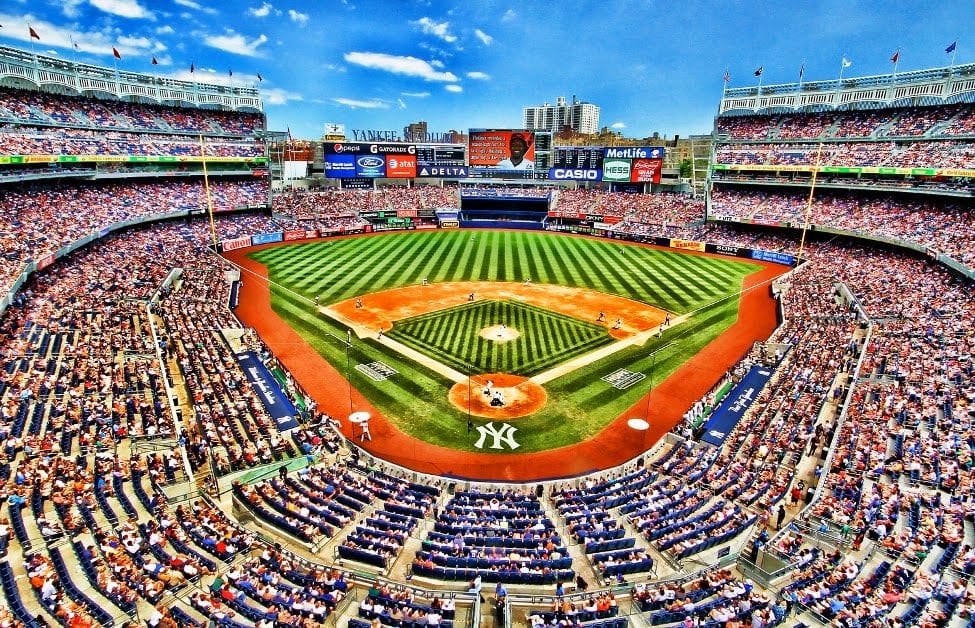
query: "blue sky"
652, 66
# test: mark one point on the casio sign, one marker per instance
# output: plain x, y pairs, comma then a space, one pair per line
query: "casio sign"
579, 173
370, 162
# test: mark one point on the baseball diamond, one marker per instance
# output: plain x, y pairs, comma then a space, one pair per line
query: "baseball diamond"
368, 283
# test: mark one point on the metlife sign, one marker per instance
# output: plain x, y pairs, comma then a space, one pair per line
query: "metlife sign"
616, 169
633, 152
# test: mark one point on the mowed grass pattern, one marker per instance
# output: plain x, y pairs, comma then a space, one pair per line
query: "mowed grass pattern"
579, 403
453, 337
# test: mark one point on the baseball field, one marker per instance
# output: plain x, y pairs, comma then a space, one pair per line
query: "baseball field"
582, 317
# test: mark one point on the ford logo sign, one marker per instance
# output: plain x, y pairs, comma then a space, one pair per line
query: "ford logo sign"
370, 162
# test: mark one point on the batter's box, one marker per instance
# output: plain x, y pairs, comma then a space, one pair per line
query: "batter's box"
623, 379
376, 371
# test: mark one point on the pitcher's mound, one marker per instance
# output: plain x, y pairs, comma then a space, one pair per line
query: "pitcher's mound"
521, 396
500, 333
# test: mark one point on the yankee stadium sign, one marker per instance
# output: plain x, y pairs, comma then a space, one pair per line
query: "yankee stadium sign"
376, 135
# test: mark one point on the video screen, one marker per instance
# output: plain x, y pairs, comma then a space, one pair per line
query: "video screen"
503, 149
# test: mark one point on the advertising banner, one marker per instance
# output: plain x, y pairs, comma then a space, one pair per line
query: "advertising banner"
726, 416
267, 238
357, 183
340, 166
443, 172
371, 166
686, 245
401, 166
270, 394
291, 236
774, 256
646, 170
616, 170
575, 174
236, 243
634, 152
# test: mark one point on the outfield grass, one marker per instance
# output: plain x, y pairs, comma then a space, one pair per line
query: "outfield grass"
579, 404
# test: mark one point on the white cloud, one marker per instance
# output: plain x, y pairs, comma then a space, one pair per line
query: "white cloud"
361, 104
334, 67
478, 76
263, 11
94, 42
617, 125
165, 30
415, 94
401, 103
440, 30
298, 18
407, 66
277, 96
437, 63
509, 15
236, 43
486, 39
70, 8
123, 8
454, 88
191, 4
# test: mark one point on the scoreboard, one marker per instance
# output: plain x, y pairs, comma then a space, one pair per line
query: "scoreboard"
441, 155
578, 157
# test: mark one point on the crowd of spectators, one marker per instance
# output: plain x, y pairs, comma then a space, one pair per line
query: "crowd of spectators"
918, 154
945, 226
938, 120
28, 140
29, 106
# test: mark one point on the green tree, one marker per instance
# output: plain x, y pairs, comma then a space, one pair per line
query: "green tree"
685, 168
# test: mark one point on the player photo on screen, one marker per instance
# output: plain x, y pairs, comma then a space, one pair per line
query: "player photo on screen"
504, 149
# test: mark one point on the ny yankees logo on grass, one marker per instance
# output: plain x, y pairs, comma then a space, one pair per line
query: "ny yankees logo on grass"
505, 434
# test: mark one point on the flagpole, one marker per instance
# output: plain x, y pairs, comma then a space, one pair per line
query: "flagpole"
206, 188
802, 70
954, 51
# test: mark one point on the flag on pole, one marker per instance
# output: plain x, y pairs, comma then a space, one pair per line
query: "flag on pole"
33, 33
289, 133
897, 55
951, 47
116, 53
231, 72
727, 77
759, 71
259, 77
802, 71
154, 62
846, 62
192, 68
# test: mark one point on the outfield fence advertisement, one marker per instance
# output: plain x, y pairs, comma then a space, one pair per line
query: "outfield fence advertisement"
733, 408
275, 402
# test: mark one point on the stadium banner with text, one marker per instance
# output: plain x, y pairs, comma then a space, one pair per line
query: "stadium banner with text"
493, 148
633, 152
686, 245
442, 172
45, 159
370, 166
727, 249
291, 236
277, 405
733, 407
267, 238
340, 166
236, 243
575, 174
401, 166
774, 256
646, 170
367, 148
617, 170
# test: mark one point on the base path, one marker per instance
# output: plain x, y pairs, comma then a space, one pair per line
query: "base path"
614, 445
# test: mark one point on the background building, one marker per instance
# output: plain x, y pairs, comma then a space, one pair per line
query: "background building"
581, 117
